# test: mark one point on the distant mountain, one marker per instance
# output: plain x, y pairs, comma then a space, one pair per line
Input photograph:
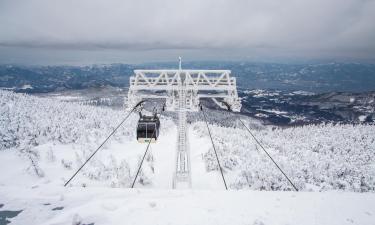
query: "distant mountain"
281, 94
318, 78
40, 79
298, 107
338, 77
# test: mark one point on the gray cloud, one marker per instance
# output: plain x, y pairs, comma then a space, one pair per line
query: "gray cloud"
309, 28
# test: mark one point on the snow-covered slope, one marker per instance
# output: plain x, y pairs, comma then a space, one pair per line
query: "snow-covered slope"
48, 139
103, 206
43, 141
316, 157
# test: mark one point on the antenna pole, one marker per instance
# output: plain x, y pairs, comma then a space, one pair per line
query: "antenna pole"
179, 63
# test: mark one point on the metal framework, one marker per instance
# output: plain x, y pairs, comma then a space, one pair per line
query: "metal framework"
182, 90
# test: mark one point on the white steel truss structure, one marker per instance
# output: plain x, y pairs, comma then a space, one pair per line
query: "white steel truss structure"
197, 84
182, 90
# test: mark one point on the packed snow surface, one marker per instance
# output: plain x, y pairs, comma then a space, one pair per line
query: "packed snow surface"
47, 205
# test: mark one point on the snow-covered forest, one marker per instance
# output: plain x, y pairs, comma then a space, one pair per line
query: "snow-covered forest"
52, 138
47, 133
316, 157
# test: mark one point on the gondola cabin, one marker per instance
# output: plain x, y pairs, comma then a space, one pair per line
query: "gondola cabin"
148, 128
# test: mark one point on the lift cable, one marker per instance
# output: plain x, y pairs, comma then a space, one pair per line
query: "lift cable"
213, 145
144, 155
295, 188
126, 117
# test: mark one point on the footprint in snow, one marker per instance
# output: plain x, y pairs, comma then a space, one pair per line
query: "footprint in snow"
350, 220
258, 222
152, 204
58, 208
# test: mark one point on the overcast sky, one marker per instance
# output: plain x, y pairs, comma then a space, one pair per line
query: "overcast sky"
93, 31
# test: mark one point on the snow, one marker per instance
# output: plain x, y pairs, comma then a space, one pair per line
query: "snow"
66, 97
50, 139
307, 93
43, 141
137, 206
258, 93
261, 115
26, 86
362, 118
201, 179
274, 111
327, 156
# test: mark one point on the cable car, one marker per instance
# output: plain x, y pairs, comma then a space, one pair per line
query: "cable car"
148, 128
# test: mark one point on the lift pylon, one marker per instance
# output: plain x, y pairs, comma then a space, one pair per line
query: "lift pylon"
182, 89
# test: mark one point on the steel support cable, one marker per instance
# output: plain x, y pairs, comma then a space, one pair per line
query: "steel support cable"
92, 155
256, 140
213, 145
143, 158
